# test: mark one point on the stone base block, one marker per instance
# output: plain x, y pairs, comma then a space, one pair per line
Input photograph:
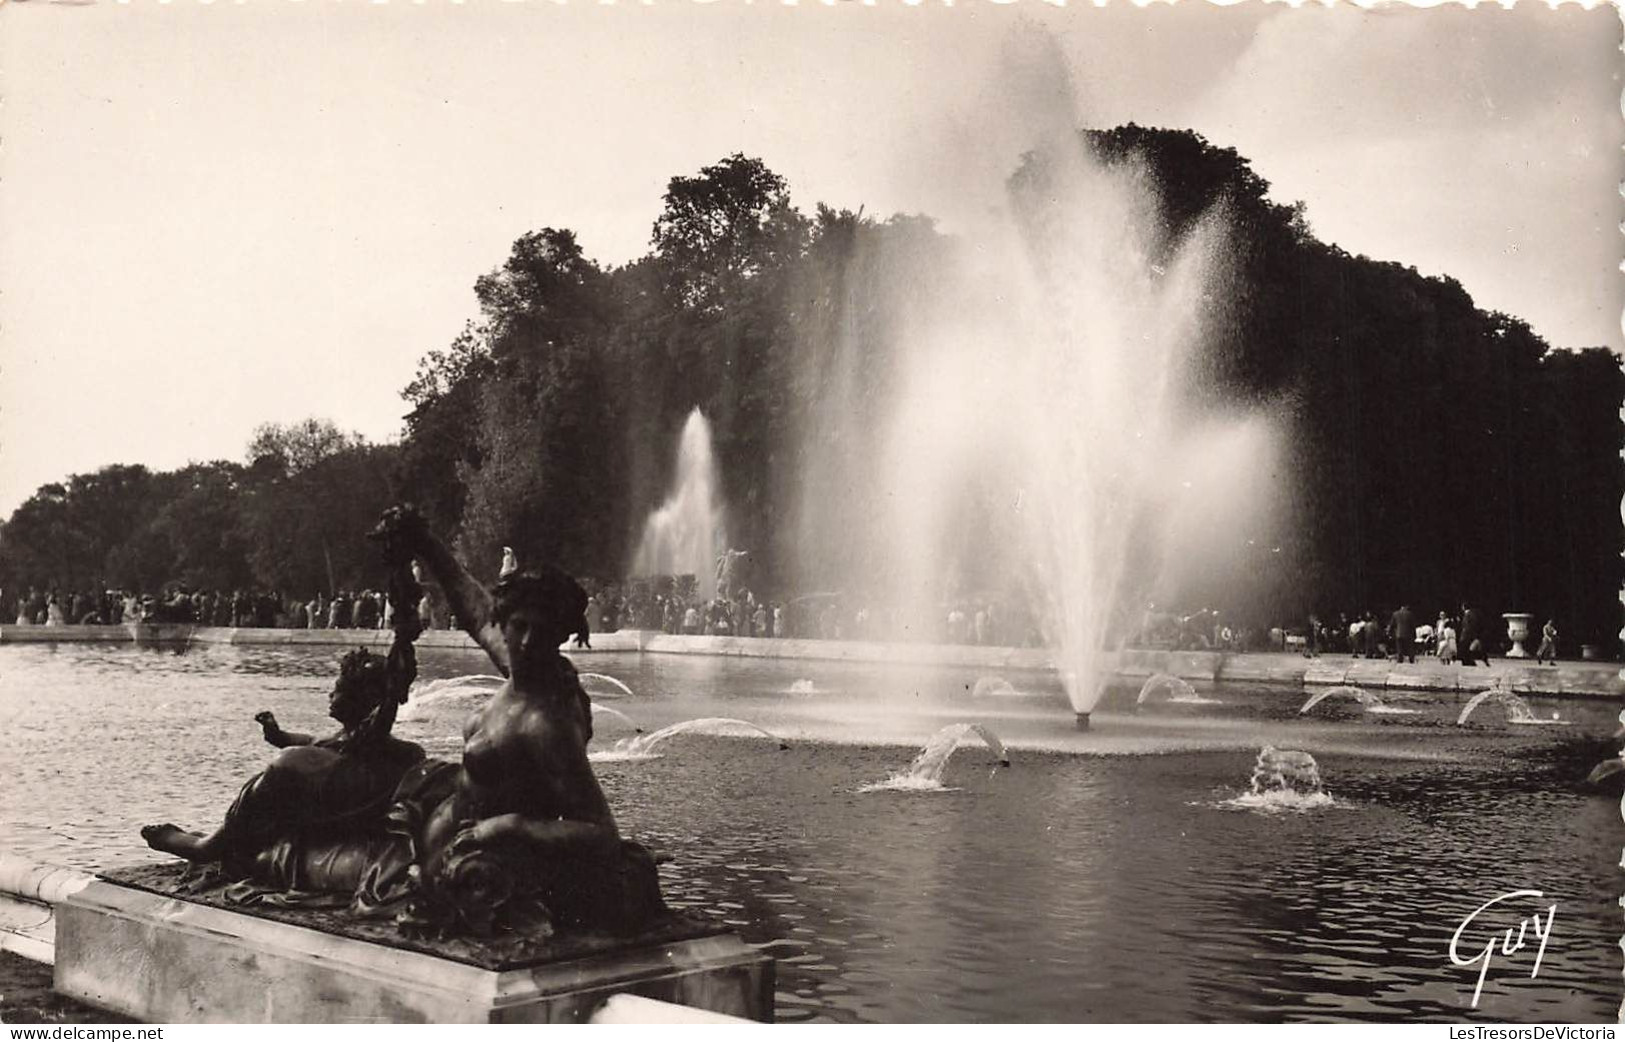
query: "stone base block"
1195, 665
1428, 681
1326, 673
1245, 668
165, 960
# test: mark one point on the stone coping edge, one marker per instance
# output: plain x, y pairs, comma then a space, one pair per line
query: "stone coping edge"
29, 894
37, 881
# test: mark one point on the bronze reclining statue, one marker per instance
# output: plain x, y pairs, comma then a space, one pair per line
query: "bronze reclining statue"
518, 836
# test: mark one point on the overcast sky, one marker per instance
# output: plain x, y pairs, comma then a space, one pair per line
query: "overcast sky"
214, 215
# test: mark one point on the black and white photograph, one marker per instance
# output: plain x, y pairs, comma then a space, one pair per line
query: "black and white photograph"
688, 512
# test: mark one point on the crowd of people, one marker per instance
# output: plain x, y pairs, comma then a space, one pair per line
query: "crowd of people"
1462, 637
611, 606
1452, 637
812, 617
367, 609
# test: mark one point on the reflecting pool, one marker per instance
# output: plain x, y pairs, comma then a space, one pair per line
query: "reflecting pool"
1103, 876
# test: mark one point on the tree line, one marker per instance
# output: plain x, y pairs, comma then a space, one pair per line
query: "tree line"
292, 519
1436, 452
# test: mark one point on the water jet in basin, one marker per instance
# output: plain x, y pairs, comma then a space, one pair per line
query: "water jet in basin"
1517, 710
643, 746
606, 678
1175, 689
925, 773
1371, 702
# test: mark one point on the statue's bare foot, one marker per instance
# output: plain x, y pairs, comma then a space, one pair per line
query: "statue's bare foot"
171, 839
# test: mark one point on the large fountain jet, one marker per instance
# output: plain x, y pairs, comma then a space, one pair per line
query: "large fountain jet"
1058, 384
685, 535
1115, 315
1034, 439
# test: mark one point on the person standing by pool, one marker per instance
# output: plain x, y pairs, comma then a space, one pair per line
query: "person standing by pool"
1472, 637
1403, 627
1447, 639
1548, 643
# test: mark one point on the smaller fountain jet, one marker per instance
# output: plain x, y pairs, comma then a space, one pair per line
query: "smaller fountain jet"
1180, 691
1283, 779
993, 687
1285, 770
606, 678
1605, 769
1517, 710
643, 746
598, 710
926, 770
427, 696
685, 534
1371, 702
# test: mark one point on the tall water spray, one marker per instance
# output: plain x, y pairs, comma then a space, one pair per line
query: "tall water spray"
685, 535
1053, 395
1034, 436
1114, 314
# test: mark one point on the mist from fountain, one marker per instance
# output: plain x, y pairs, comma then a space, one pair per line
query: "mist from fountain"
1034, 423
925, 773
685, 534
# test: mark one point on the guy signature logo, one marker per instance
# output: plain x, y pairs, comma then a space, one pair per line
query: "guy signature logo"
1504, 940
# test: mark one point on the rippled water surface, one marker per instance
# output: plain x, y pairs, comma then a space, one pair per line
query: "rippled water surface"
1108, 876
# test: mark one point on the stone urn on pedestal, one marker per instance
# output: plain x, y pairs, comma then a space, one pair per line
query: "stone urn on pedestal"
1517, 632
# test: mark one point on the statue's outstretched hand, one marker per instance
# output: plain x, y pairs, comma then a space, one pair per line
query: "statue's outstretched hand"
271, 730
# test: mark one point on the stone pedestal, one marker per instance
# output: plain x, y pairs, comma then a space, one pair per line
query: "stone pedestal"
1517, 632
167, 960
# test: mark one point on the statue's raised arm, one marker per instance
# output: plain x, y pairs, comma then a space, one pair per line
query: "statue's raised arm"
403, 530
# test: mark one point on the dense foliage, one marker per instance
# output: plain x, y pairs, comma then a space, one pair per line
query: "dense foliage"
1436, 452
293, 520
